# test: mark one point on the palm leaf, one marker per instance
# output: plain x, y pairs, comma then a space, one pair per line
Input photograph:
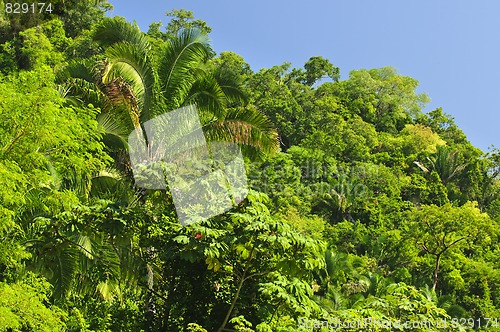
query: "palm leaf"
84, 245
115, 30
84, 92
208, 96
230, 85
132, 265
112, 185
131, 63
178, 64
101, 273
246, 127
64, 273
84, 69
115, 130
59, 263
65, 92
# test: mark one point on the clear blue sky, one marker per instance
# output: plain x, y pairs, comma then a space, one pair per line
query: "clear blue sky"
451, 46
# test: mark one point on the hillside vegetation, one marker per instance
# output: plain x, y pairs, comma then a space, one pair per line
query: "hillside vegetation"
362, 209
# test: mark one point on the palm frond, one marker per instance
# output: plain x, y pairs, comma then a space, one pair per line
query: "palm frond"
85, 92
421, 166
133, 267
177, 65
131, 63
115, 130
246, 127
102, 267
63, 269
338, 300
445, 163
64, 91
115, 30
84, 245
208, 96
111, 184
430, 294
84, 69
230, 85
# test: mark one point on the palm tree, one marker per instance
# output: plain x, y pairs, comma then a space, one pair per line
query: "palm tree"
339, 282
444, 163
446, 302
131, 89
340, 198
134, 83
75, 256
342, 286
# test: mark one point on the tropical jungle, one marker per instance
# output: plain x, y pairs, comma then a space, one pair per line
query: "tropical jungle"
362, 210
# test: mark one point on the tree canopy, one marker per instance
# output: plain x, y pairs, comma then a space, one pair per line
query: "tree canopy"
358, 207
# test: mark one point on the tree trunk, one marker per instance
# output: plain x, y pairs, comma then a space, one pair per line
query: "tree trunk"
436, 272
233, 303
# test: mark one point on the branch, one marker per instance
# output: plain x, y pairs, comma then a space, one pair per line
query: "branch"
426, 249
255, 275
455, 242
17, 138
240, 285
24, 131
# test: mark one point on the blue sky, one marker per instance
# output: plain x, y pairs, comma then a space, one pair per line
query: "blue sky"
451, 47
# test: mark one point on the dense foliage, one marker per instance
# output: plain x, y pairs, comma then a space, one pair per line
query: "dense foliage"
361, 209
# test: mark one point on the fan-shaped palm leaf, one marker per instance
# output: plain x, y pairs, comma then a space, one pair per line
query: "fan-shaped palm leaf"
112, 185
444, 162
84, 93
114, 130
86, 69
82, 80
65, 92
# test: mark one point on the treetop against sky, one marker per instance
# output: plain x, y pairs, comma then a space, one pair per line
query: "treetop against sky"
449, 46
